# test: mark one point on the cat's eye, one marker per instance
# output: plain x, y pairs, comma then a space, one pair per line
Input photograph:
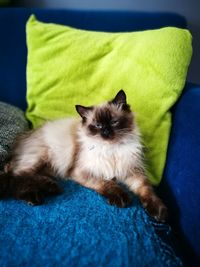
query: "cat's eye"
114, 123
98, 125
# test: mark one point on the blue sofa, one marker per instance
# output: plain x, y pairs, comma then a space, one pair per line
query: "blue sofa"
180, 185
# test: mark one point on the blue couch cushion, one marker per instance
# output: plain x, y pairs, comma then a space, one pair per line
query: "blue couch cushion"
78, 228
180, 188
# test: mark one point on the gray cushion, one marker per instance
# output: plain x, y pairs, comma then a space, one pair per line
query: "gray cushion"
12, 122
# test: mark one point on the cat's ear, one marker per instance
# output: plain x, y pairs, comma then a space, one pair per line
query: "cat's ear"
120, 101
120, 98
83, 111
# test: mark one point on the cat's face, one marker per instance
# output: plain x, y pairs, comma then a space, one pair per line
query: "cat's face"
111, 121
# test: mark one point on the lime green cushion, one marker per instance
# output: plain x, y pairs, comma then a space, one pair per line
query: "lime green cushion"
67, 66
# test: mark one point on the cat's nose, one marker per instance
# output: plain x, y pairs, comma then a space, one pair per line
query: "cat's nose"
106, 133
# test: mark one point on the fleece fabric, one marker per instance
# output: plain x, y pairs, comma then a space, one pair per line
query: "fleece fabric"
67, 66
12, 123
79, 229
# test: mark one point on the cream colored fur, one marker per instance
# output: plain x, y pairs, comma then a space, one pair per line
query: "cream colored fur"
59, 141
54, 143
104, 159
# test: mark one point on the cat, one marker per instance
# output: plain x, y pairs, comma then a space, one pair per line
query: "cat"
101, 150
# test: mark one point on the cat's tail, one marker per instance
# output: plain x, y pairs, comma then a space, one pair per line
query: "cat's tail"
30, 188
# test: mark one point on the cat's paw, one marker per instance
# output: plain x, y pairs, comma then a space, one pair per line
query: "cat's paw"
33, 190
118, 197
48, 186
156, 209
120, 200
32, 198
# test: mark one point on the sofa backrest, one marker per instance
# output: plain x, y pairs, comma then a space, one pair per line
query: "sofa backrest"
13, 50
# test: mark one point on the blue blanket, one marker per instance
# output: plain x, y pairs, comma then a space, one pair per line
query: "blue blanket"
78, 228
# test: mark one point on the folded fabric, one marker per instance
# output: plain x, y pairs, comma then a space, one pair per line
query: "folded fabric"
79, 229
67, 66
12, 123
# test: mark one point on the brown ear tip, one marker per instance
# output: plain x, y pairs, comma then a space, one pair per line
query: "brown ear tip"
121, 91
120, 97
77, 107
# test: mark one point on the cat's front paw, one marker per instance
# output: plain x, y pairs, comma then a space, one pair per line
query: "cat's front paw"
156, 209
119, 200
118, 197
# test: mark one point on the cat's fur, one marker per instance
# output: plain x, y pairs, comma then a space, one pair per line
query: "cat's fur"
99, 151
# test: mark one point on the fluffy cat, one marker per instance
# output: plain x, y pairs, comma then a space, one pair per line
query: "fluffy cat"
100, 151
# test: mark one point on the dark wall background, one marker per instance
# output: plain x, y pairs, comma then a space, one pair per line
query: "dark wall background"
188, 8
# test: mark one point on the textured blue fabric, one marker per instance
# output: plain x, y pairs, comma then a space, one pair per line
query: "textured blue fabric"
13, 41
181, 185
78, 228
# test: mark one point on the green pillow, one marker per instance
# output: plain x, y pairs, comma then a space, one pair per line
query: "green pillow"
67, 66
